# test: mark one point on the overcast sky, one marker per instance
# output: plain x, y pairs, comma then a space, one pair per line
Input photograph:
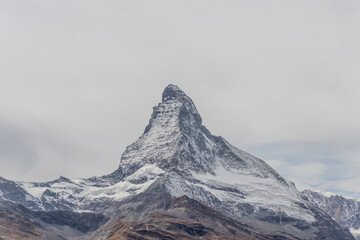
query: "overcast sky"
279, 79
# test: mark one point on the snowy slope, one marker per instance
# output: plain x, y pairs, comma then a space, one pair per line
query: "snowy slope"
75, 194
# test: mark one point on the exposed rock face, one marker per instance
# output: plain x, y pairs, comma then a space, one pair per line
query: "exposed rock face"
345, 211
16, 226
177, 160
176, 218
19, 222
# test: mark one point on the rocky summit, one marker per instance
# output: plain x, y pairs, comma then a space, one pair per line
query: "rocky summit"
177, 181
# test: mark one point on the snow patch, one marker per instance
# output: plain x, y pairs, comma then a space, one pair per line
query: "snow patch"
265, 192
33, 190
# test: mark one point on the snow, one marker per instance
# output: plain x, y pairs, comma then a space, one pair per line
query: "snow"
332, 194
355, 232
160, 142
32, 189
259, 191
148, 171
121, 189
80, 191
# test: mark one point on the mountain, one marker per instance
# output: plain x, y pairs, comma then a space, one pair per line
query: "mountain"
177, 181
345, 211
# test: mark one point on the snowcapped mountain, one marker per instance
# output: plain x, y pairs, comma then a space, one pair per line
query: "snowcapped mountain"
175, 169
345, 211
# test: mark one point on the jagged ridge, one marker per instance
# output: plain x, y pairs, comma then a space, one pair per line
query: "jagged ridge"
345, 211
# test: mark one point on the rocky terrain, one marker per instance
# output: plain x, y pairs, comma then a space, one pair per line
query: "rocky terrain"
177, 181
345, 211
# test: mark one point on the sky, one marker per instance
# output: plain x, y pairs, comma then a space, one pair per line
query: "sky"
278, 79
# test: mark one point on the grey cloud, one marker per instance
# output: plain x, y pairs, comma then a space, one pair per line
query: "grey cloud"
16, 153
326, 166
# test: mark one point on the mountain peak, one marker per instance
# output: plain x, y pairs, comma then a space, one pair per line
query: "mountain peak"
173, 92
174, 122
